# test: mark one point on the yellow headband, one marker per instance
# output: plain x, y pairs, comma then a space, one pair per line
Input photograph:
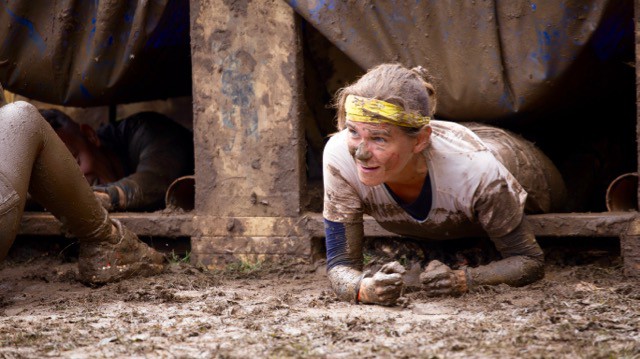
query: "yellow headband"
362, 109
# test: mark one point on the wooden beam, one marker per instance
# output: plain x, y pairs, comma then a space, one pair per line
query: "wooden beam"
249, 142
157, 224
606, 224
630, 244
309, 225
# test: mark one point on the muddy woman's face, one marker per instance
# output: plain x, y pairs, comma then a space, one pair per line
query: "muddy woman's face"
94, 164
382, 152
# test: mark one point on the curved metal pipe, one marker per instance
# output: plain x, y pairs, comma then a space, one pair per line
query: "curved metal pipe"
622, 194
181, 194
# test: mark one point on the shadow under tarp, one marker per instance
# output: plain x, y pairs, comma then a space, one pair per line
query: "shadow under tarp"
490, 59
90, 53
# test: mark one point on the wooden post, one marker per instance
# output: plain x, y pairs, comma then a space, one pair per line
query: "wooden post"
249, 144
630, 241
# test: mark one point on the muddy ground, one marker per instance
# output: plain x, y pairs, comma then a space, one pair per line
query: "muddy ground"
582, 308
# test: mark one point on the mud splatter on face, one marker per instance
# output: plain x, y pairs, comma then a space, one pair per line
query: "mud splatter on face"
362, 153
381, 152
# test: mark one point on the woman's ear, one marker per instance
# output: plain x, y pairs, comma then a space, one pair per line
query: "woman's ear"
422, 139
90, 134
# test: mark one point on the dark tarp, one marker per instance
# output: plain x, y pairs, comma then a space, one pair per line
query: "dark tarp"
90, 52
489, 59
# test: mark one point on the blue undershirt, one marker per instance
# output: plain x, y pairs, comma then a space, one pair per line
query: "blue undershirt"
335, 232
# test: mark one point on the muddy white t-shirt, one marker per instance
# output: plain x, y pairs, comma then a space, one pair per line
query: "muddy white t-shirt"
472, 192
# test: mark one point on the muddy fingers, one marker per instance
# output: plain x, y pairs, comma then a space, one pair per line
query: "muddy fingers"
438, 279
385, 287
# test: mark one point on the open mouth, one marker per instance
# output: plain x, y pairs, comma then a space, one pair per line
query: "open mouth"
368, 168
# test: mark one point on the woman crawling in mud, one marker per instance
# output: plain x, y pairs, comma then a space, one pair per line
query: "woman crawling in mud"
428, 180
33, 159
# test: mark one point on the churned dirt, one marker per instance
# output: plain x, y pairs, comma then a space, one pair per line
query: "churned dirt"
584, 307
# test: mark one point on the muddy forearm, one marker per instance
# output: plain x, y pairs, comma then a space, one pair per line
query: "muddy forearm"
514, 271
344, 257
136, 192
523, 261
345, 282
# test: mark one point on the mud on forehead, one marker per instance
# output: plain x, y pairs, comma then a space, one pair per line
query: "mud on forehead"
371, 126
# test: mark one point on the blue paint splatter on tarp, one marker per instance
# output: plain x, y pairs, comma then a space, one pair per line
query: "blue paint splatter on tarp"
92, 33
505, 101
397, 14
85, 91
320, 6
33, 34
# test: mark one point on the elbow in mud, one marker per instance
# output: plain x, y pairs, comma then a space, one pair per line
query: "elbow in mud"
532, 271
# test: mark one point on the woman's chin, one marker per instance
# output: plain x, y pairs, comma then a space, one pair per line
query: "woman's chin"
369, 181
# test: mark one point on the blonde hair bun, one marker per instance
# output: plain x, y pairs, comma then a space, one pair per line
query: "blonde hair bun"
431, 90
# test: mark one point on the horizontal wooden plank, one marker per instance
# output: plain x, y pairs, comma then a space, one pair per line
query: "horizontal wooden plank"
315, 226
160, 224
605, 224
164, 224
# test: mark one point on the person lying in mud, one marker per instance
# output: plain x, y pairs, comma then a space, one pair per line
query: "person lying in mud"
130, 164
427, 180
34, 159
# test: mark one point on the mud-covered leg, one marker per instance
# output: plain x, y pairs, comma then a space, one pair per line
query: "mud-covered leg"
20, 142
35, 159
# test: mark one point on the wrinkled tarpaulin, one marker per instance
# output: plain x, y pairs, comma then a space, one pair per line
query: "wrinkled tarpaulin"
489, 59
89, 53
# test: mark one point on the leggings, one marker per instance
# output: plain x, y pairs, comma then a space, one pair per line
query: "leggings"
532, 168
33, 159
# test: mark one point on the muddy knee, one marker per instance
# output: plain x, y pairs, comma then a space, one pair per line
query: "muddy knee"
21, 117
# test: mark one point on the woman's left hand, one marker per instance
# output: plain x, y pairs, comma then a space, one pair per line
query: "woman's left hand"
439, 279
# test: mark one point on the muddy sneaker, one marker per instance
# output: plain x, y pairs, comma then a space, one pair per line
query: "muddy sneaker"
105, 262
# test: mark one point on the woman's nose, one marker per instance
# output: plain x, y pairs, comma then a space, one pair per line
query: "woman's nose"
362, 152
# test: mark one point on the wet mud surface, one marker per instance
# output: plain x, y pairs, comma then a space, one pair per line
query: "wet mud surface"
583, 307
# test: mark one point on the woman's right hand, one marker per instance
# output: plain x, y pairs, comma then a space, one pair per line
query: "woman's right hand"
384, 287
